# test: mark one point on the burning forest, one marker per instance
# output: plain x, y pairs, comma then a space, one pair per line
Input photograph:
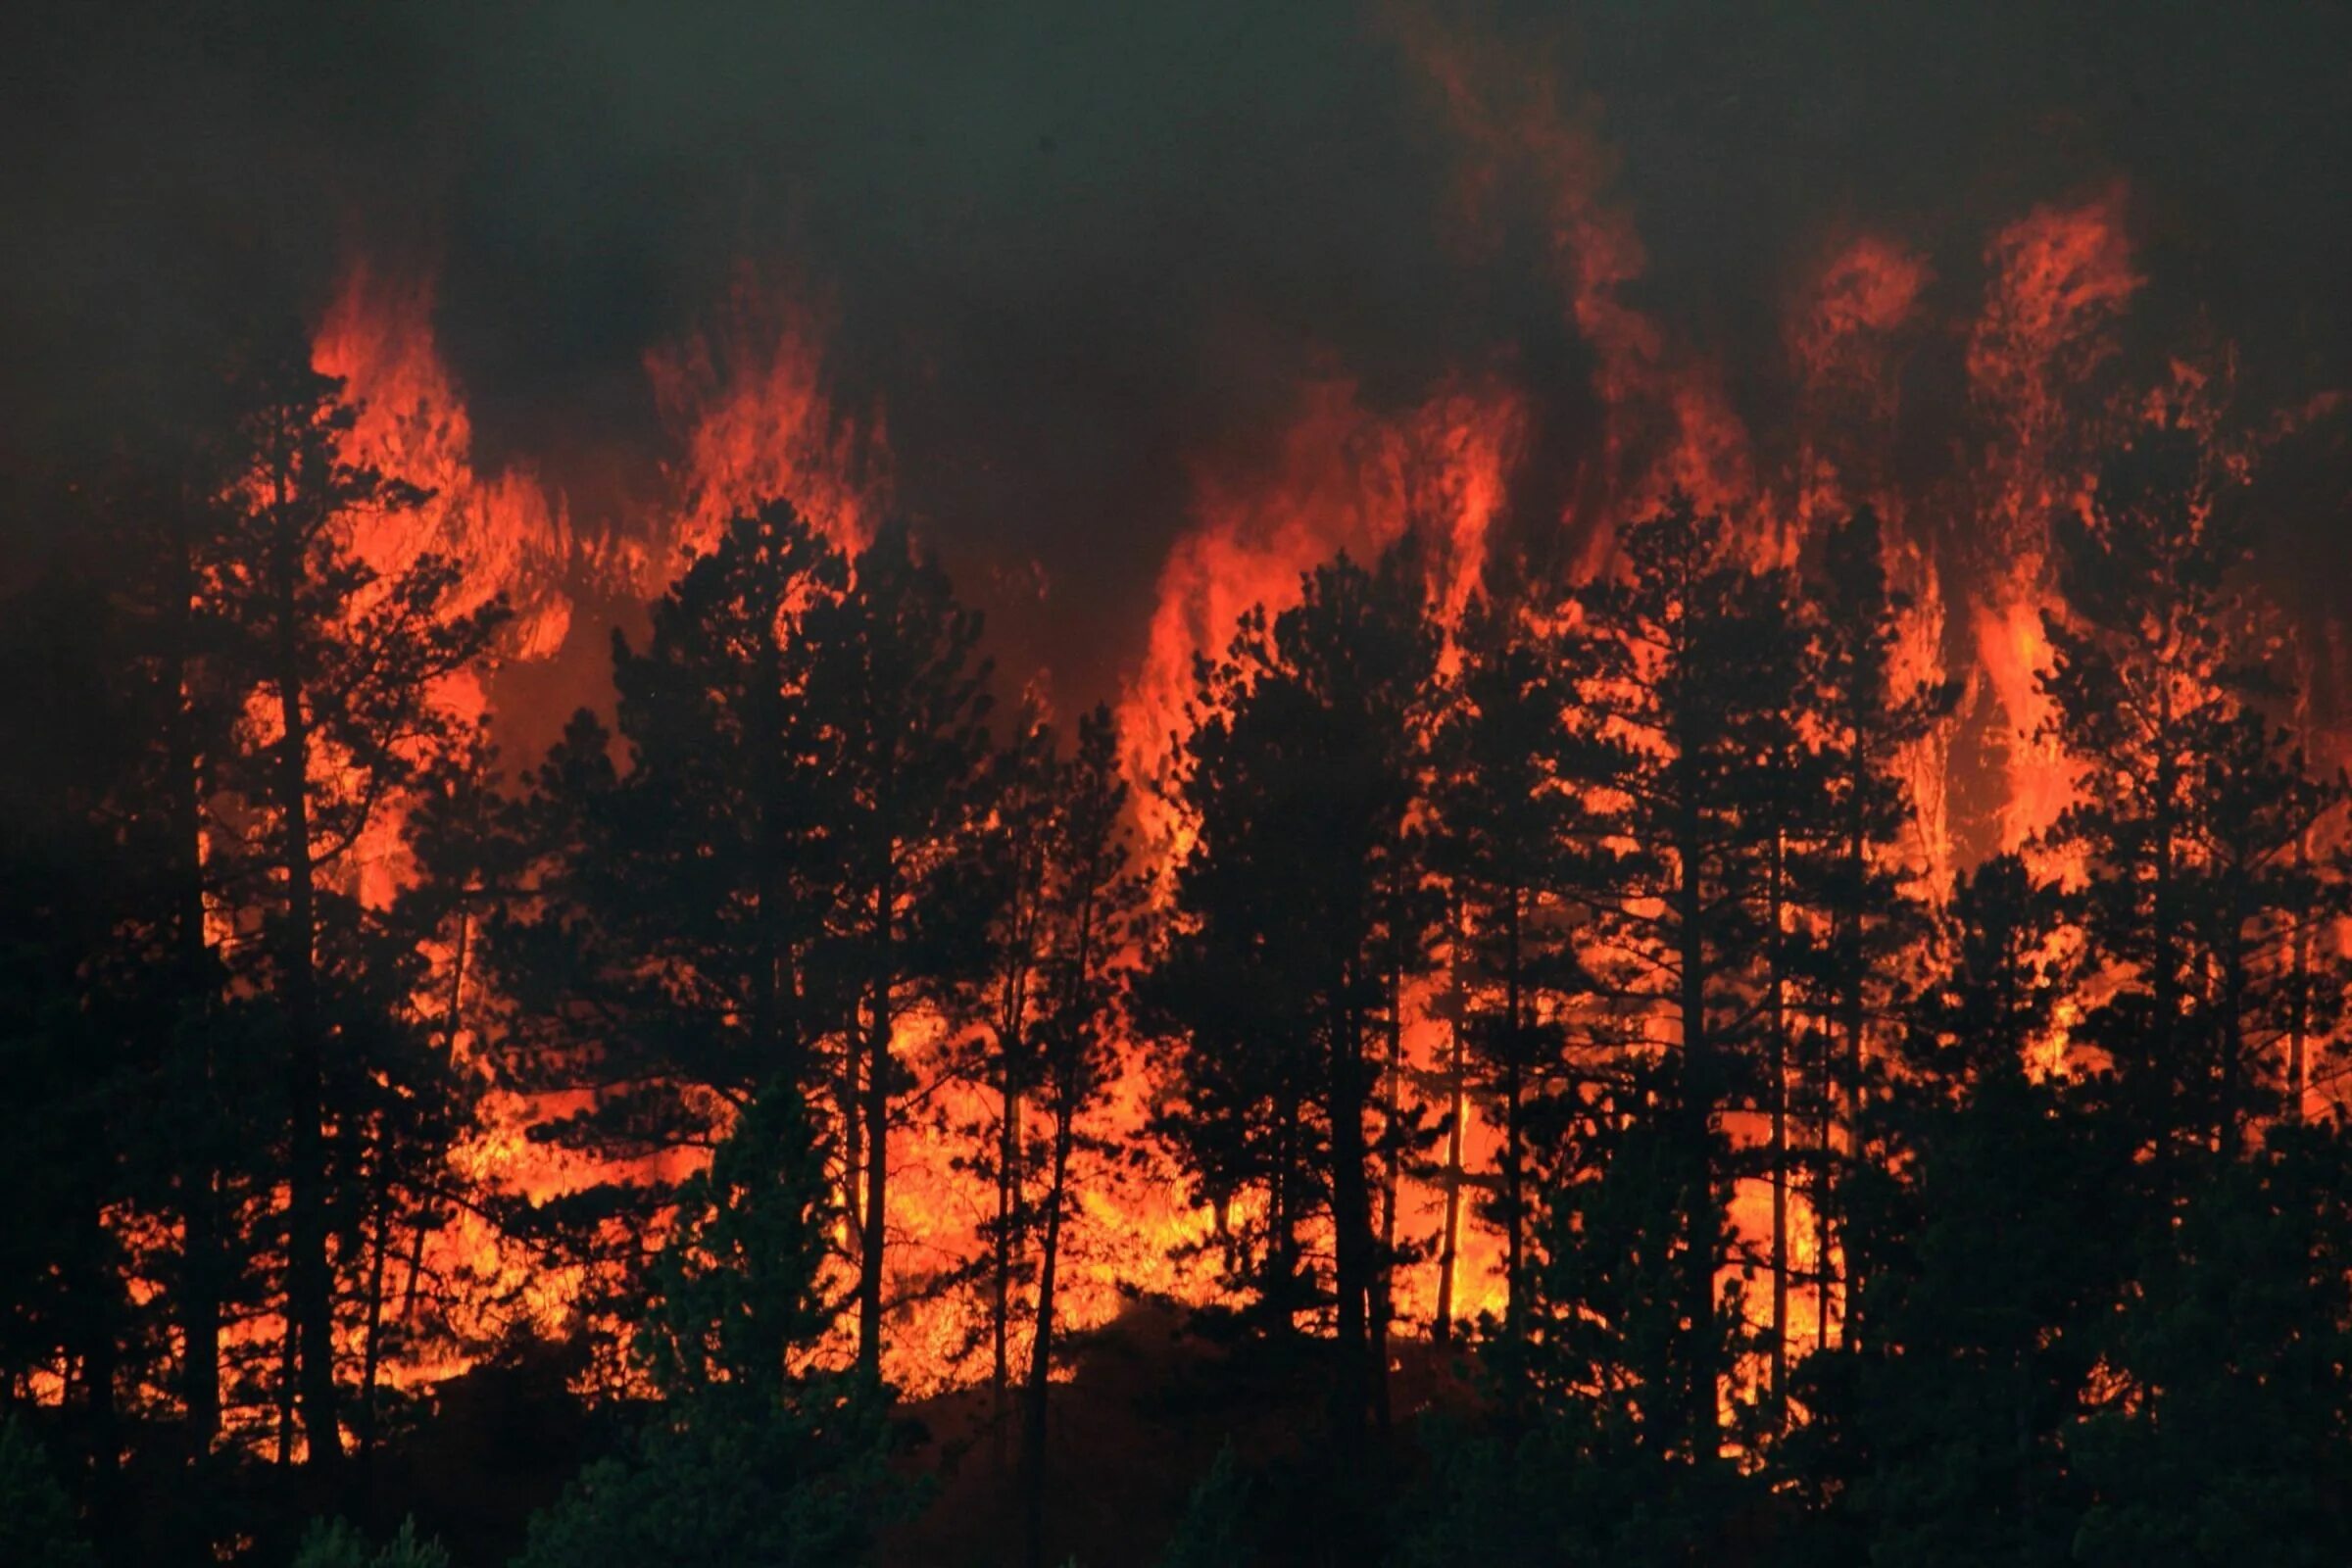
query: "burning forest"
1367, 786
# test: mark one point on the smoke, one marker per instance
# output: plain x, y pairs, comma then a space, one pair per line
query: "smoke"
1074, 255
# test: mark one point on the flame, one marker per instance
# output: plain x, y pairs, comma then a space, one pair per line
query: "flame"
511, 534
2059, 278
1668, 424
1345, 478
753, 409
749, 401
1848, 340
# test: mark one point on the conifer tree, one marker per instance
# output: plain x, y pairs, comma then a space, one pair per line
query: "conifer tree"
674, 883
751, 1456
1940, 1436
1872, 924
1684, 666
2193, 812
71, 1021
345, 668
1015, 852
1094, 909
2236, 1441
1509, 821
899, 689
1298, 783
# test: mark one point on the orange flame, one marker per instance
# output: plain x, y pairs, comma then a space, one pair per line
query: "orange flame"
1346, 478
750, 400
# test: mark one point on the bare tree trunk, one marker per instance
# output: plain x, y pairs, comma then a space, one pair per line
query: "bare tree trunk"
879, 1024
1008, 1153
1456, 1108
202, 1261
1351, 1217
1515, 1224
1041, 1346
1695, 1115
310, 1282
372, 1343
1384, 1262
1778, 1022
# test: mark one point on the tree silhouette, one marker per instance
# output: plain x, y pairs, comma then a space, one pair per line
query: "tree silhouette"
751, 1456
1873, 926
345, 666
901, 692
1685, 665
1941, 1434
1298, 784
658, 960
1093, 905
1511, 818
2195, 824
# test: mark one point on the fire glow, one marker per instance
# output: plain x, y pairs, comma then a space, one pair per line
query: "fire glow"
749, 407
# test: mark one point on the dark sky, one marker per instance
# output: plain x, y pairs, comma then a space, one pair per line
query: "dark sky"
1075, 246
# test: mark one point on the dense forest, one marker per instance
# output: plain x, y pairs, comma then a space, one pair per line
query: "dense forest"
2051, 1256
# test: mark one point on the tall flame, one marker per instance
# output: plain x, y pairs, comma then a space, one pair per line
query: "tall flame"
1346, 478
512, 536
2058, 280
749, 401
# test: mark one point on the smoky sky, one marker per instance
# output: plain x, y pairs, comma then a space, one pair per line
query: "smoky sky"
1070, 248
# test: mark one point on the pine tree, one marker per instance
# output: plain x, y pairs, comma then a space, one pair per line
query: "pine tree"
1298, 783
1015, 851
75, 1041
2236, 1444
1858, 876
1509, 817
1941, 1436
900, 691
658, 949
750, 1456
1685, 665
345, 668
1094, 908
2153, 702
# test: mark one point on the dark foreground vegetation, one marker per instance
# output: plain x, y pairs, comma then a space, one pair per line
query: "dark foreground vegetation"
2057, 1267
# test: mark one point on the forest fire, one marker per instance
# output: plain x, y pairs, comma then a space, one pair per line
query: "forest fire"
1588, 821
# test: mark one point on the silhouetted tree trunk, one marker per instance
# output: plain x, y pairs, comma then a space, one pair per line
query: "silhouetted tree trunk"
880, 1021
309, 1279
1351, 1217
1456, 1111
203, 1264
1695, 1114
1040, 1344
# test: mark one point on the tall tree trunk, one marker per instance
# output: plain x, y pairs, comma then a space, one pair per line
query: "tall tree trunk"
1695, 1114
2229, 1111
1853, 1005
1008, 1153
1456, 1108
879, 1026
1776, 1021
202, 1263
1282, 1218
1514, 1223
1352, 1216
2299, 997
1041, 1345
2163, 1031
1384, 1262
98, 1325
310, 1283
373, 1342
